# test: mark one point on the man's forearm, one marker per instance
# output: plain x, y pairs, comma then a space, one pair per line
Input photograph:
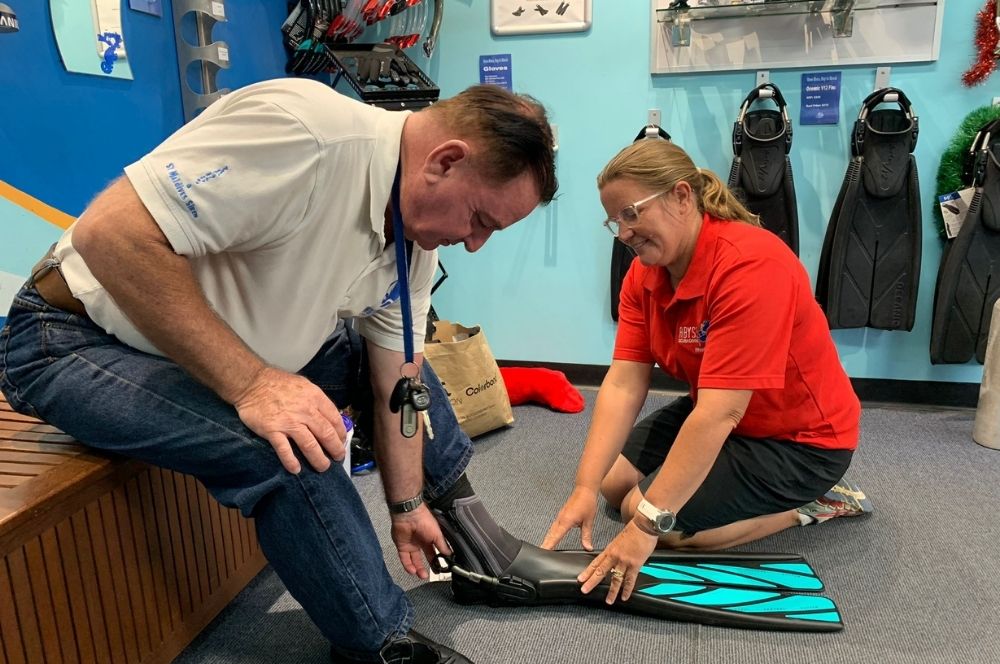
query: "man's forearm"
400, 459
157, 290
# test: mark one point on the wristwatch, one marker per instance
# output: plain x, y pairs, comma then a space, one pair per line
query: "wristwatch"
405, 506
654, 520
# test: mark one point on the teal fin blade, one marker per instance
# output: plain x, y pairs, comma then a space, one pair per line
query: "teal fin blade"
776, 576
737, 607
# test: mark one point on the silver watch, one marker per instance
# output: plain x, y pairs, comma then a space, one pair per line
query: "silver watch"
657, 520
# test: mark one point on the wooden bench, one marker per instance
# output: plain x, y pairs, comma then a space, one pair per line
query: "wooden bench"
106, 560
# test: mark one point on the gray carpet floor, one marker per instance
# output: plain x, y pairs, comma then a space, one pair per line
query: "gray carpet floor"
918, 580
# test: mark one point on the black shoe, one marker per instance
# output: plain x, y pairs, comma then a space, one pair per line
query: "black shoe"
415, 648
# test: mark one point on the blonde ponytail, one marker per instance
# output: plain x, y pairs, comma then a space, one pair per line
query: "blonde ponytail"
719, 201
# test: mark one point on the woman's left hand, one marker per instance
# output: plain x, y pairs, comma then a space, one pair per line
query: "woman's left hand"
620, 562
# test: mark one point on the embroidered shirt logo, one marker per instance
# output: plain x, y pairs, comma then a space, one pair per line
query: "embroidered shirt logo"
391, 295
181, 187
693, 334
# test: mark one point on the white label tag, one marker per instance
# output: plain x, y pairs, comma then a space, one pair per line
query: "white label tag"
224, 54
954, 208
219, 9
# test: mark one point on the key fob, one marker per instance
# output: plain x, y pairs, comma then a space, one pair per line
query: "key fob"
408, 420
400, 394
420, 396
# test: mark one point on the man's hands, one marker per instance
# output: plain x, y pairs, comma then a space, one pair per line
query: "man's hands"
285, 408
414, 533
578, 511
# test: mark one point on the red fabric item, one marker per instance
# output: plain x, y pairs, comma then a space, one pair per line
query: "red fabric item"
744, 318
539, 385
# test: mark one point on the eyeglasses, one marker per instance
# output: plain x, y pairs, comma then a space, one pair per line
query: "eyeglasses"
629, 216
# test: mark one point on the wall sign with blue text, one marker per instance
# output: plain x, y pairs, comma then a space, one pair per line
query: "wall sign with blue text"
496, 70
820, 99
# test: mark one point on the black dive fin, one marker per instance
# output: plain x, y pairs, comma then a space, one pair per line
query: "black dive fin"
968, 282
729, 590
761, 174
621, 253
621, 260
870, 264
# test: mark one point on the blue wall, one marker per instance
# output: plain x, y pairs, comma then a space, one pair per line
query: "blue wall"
64, 136
540, 289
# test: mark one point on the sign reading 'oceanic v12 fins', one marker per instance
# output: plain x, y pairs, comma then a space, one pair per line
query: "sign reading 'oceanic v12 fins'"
869, 269
761, 174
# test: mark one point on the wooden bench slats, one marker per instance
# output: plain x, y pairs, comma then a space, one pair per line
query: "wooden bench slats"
44, 606
40, 447
72, 572
59, 593
13, 481
11, 416
11, 425
30, 436
13, 647
20, 469
105, 560
66, 487
153, 595
31, 457
31, 638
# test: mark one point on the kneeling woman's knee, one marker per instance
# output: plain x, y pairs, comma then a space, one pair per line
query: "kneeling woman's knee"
622, 478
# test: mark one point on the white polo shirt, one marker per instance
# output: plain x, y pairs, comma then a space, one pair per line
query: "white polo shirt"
277, 194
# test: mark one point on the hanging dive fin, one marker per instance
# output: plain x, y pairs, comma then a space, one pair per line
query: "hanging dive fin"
761, 174
870, 264
968, 282
621, 253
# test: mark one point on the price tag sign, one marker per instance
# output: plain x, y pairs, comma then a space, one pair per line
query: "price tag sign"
820, 99
496, 70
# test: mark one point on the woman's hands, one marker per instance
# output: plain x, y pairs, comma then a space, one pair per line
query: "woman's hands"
578, 512
621, 561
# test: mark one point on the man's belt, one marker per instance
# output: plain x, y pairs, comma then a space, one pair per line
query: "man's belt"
51, 285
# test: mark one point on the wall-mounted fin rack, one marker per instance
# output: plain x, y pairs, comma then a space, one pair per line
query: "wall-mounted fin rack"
212, 56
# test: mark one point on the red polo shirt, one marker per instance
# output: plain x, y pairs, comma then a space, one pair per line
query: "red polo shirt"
744, 317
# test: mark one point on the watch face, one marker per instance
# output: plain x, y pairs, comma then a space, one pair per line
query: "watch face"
664, 522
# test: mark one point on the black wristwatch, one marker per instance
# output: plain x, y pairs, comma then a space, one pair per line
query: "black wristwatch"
406, 505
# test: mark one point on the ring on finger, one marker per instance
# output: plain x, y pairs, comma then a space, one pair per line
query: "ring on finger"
617, 573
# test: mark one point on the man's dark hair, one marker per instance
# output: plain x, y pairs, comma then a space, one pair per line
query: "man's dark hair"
512, 130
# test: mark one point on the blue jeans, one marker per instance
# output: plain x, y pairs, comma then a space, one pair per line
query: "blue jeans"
312, 527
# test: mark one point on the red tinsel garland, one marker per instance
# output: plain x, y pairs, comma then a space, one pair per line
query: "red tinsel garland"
987, 39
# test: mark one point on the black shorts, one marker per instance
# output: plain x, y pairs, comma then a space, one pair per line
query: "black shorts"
751, 477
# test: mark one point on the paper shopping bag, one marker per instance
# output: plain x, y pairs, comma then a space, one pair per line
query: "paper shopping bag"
462, 359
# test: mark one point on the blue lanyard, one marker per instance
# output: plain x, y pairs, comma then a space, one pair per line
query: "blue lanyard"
402, 269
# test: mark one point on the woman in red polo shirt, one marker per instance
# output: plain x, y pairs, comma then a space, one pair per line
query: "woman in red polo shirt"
771, 422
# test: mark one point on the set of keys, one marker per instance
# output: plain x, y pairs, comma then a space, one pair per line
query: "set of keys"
408, 398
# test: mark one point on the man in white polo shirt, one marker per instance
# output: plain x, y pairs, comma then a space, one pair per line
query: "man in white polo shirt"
193, 318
